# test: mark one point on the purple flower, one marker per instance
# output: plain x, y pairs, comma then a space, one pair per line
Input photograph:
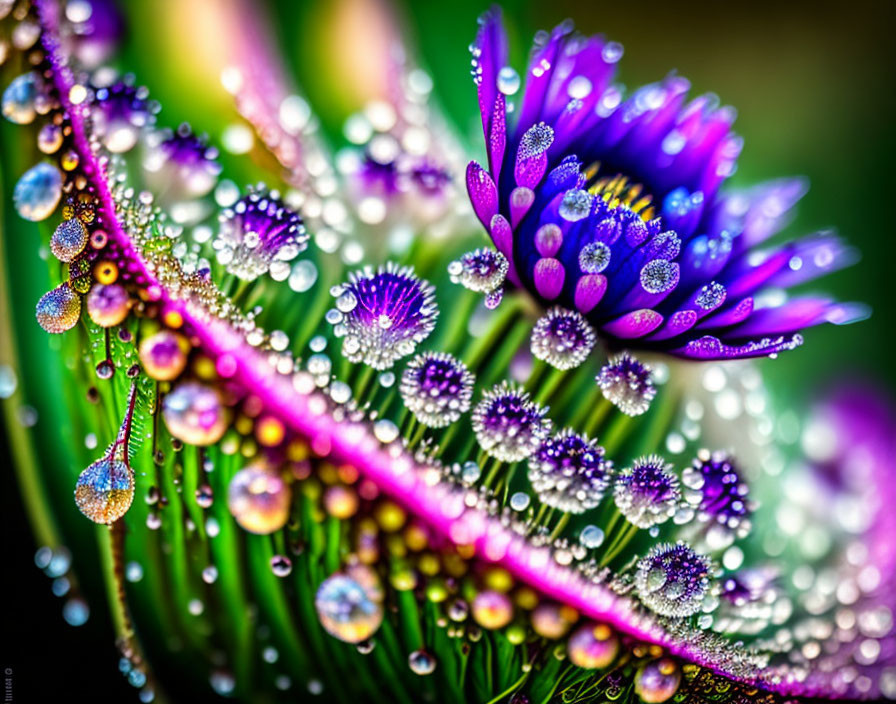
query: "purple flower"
612, 206
562, 338
181, 164
382, 315
120, 111
627, 384
437, 388
508, 425
647, 493
722, 493
569, 472
258, 235
673, 580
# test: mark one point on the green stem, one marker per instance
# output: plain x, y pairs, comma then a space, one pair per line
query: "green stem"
511, 689
558, 529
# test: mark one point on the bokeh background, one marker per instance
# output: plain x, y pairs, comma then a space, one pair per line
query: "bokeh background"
813, 84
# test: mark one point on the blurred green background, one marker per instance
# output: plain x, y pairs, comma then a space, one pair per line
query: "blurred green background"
812, 83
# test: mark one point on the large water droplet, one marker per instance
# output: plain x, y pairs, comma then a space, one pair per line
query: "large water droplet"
508, 81
105, 490
59, 310
259, 500
20, 98
349, 606
69, 240
576, 205
38, 192
195, 414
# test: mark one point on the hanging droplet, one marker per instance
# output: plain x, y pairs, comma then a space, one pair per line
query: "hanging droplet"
105, 490
38, 191
349, 605
20, 98
105, 369
421, 662
68, 240
59, 310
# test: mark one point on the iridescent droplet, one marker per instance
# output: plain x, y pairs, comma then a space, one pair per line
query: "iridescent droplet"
593, 646
195, 413
20, 98
492, 609
164, 355
421, 662
281, 565
59, 310
68, 240
108, 304
349, 606
259, 500
49, 139
105, 490
657, 681
38, 191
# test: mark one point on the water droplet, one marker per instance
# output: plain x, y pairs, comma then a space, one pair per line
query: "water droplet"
76, 612
612, 52
108, 304
20, 98
195, 414
576, 205
133, 572
59, 310
593, 646
164, 355
592, 536
38, 191
519, 501
105, 490
105, 369
579, 88
385, 431
259, 500
281, 565
594, 257
421, 662
68, 240
349, 605
470, 472
508, 81
49, 139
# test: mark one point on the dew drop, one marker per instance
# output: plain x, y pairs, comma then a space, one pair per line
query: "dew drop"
281, 566
421, 662
20, 98
508, 81
59, 309
38, 191
105, 490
